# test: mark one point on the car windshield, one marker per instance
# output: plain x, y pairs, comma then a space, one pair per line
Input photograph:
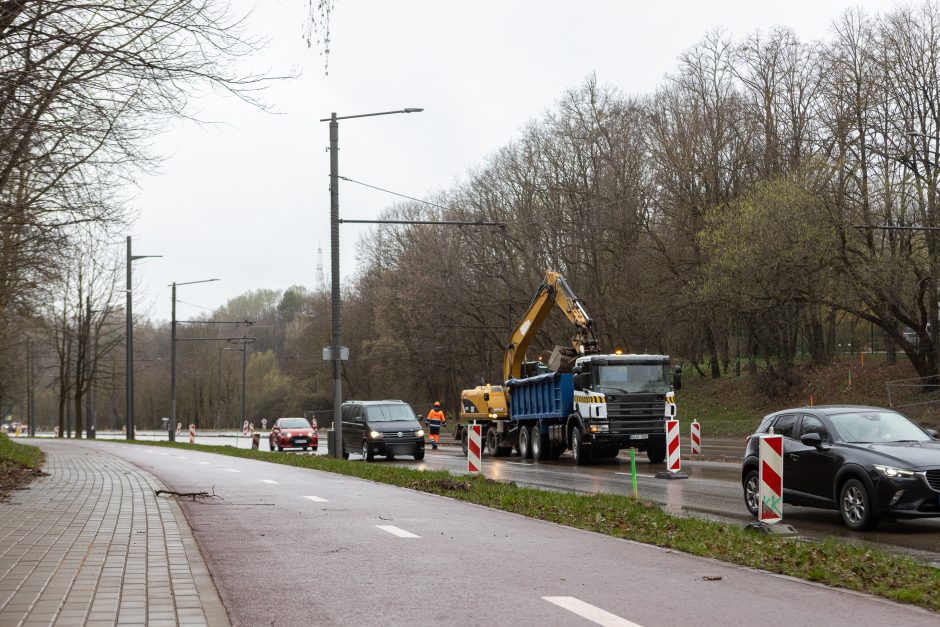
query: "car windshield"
866, 427
295, 423
390, 413
631, 378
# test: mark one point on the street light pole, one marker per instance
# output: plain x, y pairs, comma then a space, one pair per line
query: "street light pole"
336, 318
129, 343
171, 427
244, 375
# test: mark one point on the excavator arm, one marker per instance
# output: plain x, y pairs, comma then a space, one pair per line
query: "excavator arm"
554, 291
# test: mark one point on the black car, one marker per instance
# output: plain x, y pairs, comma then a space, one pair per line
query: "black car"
867, 462
386, 428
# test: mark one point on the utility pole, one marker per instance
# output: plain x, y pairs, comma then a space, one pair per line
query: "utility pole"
129, 342
171, 430
244, 375
30, 419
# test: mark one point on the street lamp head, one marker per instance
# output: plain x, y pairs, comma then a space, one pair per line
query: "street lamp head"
192, 282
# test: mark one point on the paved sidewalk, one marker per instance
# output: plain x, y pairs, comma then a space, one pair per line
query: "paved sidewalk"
91, 545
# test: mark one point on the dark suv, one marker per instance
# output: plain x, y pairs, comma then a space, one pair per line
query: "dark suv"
386, 428
867, 462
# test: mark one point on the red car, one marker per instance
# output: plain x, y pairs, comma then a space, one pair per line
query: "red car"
292, 433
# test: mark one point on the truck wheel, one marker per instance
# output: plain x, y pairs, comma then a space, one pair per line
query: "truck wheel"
541, 450
491, 441
581, 456
525, 443
656, 454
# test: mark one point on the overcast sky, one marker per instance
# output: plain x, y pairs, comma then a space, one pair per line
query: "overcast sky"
246, 200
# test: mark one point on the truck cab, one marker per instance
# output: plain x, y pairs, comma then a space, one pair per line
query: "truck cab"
623, 401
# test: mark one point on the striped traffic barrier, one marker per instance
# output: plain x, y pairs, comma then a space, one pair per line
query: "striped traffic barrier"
179, 427
770, 488
696, 439
245, 428
673, 461
192, 434
770, 477
474, 449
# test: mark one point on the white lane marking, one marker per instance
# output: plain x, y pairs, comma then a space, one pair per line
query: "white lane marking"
180, 457
316, 499
232, 470
206, 463
518, 464
268, 481
637, 474
590, 612
395, 531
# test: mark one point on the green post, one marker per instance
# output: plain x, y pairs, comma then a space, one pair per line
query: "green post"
633, 470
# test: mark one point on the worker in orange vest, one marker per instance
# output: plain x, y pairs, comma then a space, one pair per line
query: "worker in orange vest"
436, 420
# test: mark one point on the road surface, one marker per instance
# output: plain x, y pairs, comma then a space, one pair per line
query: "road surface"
292, 546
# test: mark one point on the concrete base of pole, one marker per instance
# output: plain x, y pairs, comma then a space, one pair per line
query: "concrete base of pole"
780, 530
665, 474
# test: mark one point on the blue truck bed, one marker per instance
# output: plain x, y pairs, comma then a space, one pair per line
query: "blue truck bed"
541, 397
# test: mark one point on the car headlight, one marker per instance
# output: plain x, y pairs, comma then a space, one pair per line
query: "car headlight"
891, 472
375, 435
419, 433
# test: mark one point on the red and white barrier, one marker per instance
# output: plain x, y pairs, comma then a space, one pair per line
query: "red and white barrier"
696, 438
245, 428
192, 434
179, 427
673, 459
474, 449
771, 479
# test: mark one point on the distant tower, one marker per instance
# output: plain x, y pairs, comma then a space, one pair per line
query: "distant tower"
321, 277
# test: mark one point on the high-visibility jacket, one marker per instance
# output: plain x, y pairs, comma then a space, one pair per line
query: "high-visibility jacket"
435, 418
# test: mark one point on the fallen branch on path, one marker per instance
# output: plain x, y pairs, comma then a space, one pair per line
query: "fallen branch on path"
192, 495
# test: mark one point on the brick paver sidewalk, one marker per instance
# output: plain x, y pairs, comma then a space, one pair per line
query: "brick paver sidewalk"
91, 545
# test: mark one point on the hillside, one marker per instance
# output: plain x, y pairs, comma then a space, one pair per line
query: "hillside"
733, 406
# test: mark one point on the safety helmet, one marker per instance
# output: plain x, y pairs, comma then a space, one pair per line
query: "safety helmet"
437, 403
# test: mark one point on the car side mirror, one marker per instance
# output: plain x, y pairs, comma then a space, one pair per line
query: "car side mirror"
677, 378
812, 439
934, 434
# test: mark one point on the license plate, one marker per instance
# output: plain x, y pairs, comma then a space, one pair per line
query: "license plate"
301, 440
640, 436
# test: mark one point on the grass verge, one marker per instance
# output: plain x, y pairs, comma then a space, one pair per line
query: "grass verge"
21, 455
19, 464
830, 562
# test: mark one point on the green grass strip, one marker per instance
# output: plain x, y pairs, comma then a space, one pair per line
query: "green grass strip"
829, 562
19, 454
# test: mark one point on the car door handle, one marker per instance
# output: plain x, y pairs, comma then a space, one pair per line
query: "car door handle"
794, 457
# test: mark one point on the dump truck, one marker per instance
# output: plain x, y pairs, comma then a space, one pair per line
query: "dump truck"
591, 403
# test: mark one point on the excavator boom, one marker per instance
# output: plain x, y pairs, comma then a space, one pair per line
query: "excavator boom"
553, 292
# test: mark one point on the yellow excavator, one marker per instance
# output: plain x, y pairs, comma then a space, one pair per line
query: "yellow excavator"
553, 292
594, 404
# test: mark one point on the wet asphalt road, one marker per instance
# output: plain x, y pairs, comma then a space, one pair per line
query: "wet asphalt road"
292, 546
713, 489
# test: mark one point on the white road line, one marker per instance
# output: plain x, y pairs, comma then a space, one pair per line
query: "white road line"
590, 612
206, 463
395, 531
180, 457
316, 499
268, 481
232, 470
637, 474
